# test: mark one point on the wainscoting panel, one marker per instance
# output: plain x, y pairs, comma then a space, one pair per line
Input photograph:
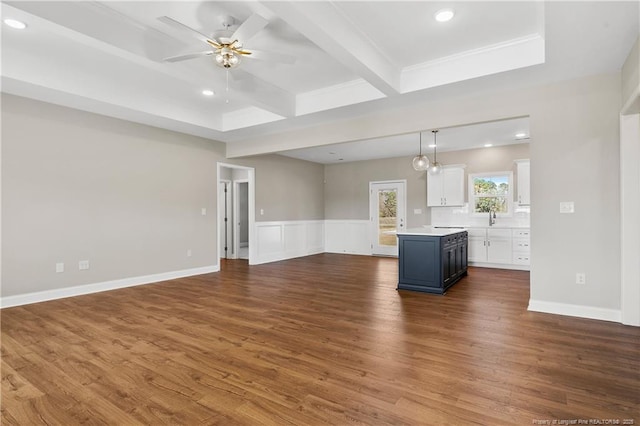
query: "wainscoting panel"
347, 236
288, 239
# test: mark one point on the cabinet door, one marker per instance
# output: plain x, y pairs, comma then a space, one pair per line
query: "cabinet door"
434, 190
477, 244
477, 249
448, 264
499, 245
453, 186
463, 256
524, 183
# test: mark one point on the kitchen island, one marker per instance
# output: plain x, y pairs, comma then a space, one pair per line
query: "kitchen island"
431, 259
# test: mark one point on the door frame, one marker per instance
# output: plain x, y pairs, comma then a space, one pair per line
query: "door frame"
236, 217
373, 211
229, 212
252, 210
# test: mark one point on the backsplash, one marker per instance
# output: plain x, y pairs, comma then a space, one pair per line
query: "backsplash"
461, 216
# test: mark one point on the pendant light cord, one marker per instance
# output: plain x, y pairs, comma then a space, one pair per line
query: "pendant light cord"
435, 146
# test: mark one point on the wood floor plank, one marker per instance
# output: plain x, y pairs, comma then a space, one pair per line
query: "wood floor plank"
324, 339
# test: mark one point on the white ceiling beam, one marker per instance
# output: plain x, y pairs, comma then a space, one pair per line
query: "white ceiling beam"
325, 25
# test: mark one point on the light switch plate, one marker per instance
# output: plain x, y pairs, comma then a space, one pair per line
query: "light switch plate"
567, 207
59, 267
83, 265
417, 211
203, 211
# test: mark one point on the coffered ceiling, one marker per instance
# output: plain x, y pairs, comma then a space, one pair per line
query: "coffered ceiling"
350, 56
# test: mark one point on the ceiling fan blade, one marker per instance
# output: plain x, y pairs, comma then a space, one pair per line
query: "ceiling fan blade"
272, 56
249, 28
188, 56
182, 27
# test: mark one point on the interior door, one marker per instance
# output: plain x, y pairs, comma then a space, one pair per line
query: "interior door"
387, 210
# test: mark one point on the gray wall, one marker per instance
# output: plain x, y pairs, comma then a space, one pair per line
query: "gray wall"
631, 73
286, 188
127, 197
347, 184
574, 157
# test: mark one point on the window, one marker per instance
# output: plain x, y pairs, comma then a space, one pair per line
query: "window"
491, 192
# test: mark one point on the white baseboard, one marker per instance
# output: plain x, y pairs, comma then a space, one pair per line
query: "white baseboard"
591, 312
511, 266
61, 293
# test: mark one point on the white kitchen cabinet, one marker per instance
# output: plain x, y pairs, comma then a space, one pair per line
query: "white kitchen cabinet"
490, 245
521, 246
477, 244
446, 188
499, 245
523, 175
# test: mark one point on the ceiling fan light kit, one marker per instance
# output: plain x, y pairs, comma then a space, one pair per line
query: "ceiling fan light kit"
226, 57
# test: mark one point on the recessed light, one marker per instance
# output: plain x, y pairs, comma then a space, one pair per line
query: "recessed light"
332, 153
207, 92
432, 145
488, 145
521, 135
13, 23
340, 159
444, 15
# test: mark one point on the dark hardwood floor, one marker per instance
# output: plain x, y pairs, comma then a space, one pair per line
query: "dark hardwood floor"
324, 339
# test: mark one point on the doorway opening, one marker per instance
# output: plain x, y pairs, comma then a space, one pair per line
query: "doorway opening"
236, 212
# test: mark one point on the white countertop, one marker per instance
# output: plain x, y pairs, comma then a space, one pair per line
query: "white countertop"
431, 231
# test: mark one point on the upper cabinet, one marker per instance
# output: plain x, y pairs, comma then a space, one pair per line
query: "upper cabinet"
524, 182
446, 188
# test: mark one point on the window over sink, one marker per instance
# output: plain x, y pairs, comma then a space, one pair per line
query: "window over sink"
491, 192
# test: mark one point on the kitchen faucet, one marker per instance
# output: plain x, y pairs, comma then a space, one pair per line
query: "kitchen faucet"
492, 220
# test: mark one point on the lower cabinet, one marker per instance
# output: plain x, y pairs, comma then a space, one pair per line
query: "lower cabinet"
431, 264
499, 246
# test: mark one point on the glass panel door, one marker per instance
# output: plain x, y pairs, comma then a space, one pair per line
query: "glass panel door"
387, 216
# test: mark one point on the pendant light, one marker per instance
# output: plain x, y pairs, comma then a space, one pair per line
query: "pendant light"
436, 168
420, 161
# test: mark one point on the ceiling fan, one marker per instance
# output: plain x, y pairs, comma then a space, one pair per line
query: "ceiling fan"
227, 48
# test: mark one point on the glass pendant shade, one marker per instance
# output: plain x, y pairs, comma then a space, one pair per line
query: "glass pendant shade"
436, 168
420, 162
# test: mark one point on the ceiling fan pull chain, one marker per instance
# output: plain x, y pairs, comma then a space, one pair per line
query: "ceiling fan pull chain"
227, 74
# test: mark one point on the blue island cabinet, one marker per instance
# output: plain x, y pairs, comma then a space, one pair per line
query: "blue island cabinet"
433, 261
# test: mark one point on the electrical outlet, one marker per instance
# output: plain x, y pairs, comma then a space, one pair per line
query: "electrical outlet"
581, 278
417, 211
189, 253
83, 265
59, 267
